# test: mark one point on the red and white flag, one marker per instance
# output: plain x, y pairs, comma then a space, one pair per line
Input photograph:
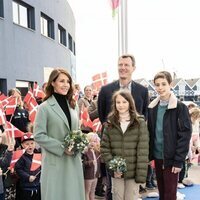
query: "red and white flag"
6, 101
76, 96
37, 92
96, 125
11, 106
16, 156
114, 5
36, 161
32, 107
2, 97
85, 118
28, 96
99, 80
2, 115
12, 131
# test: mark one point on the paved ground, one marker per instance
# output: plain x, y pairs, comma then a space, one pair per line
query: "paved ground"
194, 175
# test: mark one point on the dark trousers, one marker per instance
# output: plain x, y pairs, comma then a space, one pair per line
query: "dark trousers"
2, 196
108, 186
182, 173
31, 195
166, 181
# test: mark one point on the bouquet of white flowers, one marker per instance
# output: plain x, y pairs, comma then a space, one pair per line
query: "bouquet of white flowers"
76, 141
118, 164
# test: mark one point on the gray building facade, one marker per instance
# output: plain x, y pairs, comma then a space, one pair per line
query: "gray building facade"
35, 36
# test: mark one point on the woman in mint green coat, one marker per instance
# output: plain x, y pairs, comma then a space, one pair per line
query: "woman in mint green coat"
62, 173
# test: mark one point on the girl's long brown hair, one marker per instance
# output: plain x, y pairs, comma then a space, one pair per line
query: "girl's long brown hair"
50, 90
114, 114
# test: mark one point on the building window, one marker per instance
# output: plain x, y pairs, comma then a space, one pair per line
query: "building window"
61, 35
23, 14
70, 42
74, 48
1, 8
47, 26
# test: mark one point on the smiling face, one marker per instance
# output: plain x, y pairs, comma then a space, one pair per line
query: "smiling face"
61, 85
122, 105
125, 68
163, 87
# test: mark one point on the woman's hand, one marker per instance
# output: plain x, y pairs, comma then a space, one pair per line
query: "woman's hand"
117, 174
69, 153
176, 170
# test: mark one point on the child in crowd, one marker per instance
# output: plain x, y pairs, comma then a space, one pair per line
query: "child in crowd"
91, 165
195, 141
126, 135
5, 159
170, 130
28, 180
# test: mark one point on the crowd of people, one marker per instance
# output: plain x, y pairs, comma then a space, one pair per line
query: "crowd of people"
157, 140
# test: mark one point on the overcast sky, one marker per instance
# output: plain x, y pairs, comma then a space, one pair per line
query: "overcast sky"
162, 35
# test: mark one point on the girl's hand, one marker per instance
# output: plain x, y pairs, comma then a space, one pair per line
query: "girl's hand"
176, 170
117, 174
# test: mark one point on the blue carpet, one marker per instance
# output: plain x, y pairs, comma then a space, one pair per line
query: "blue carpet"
191, 193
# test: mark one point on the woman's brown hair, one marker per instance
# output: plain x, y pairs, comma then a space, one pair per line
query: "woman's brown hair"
50, 90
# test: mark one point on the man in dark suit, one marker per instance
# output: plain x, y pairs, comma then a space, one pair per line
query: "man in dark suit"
126, 67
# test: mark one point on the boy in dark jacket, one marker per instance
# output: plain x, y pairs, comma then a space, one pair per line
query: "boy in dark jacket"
170, 131
29, 179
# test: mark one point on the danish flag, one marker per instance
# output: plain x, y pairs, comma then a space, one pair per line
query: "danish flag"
37, 92
2, 97
12, 131
6, 101
85, 118
11, 106
32, 106
76, 95
16, 156
99, 80
96, 125
36, 161
2, 115
28, 96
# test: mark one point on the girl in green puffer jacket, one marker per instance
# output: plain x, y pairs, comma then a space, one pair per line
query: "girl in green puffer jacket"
125, 135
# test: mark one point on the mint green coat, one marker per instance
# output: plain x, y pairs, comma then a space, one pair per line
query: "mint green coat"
61, 175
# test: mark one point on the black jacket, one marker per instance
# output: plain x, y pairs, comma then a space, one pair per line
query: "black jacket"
138, 91
22, 168
176, 131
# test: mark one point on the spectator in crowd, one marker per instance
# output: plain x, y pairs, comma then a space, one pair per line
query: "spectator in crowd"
20, 118
91, 165
6, 151
56, 117
29, 180
170, 130
84, 103
78, 91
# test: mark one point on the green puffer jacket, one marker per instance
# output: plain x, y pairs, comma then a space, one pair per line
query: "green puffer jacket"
133, 145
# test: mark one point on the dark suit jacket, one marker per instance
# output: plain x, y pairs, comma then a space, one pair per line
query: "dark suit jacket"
138, 91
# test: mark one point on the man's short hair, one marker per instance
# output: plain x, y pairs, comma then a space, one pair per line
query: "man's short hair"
128, 56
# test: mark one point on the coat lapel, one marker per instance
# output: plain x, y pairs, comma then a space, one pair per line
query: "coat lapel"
58, 110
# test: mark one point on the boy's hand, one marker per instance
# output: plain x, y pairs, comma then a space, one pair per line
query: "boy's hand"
32, 178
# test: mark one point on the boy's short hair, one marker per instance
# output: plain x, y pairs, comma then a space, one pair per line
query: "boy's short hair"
27, 136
